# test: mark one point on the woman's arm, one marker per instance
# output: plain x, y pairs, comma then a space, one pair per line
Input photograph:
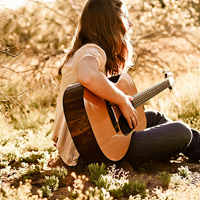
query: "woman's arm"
90, 77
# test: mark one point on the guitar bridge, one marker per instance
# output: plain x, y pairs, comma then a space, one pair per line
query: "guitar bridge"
112, 115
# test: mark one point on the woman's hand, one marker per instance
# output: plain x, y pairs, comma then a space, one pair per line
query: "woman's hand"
89, 76
129, 112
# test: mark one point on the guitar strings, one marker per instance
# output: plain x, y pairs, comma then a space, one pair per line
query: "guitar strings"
143, 96
152, 87
117, 111
141, 99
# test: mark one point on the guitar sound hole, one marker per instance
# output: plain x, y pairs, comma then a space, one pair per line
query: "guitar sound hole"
123, 124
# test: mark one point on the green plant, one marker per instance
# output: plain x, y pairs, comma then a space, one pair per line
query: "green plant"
52, 182
96, 171
46, 191
43, 163
22, 192
102, 182
4, 163
61, 197
61, 174
115, 182
104, 194
27, 171
73, 194
134, 188
184, 171
78, 186
32, 157
10, 156
4, 142
165, 178
57, 179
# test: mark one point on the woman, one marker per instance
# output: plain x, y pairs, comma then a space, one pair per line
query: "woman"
101, 48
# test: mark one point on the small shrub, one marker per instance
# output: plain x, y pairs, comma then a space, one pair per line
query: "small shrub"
61, 197
73, 195
4, 163
31, 157
102, 182
78, 186
165, 178
10, 156
95, 193
184, 171
8, 192
61, 174
43, 163
179, 181
26, 172
46, 191
4, 142
52, 182
57, 179
115, 182
134, 188
96, 171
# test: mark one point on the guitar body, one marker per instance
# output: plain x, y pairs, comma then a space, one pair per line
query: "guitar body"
90, 124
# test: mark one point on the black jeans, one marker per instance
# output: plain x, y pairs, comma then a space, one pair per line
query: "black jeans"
162, 138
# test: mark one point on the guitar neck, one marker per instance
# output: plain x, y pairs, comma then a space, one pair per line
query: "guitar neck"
142, 97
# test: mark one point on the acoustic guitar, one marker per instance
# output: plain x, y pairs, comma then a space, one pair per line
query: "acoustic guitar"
98, 128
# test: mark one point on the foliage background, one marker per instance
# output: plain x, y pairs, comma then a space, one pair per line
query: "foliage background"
165, 36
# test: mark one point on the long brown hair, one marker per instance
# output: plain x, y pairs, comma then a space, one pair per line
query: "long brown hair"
105, 23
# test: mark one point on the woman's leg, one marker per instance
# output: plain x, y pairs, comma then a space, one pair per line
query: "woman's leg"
162, 137
193, 150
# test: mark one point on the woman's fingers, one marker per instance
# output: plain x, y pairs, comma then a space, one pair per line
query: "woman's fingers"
129, 112
133, 122
132, 117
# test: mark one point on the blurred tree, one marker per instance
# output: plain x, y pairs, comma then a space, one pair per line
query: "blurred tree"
43, 30
163, 28
196, 6
166, 35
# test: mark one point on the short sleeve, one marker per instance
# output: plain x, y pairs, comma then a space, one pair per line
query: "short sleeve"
94, 51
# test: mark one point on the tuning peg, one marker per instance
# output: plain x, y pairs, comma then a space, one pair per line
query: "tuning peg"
167, 73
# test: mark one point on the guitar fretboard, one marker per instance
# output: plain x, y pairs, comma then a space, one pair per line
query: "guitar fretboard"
142, 97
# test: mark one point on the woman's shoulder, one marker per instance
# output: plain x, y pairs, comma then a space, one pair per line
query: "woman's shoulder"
90, 46
91, 49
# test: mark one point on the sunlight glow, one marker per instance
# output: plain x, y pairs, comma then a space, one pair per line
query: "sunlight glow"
14, 4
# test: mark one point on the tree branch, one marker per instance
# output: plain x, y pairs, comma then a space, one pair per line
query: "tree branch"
10, 53
55, 11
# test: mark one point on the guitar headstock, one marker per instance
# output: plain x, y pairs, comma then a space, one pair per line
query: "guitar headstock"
169, 75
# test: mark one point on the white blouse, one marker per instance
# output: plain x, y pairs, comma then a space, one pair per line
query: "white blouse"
61, 135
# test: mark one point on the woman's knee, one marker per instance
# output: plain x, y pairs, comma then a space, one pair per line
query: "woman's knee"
184, 131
